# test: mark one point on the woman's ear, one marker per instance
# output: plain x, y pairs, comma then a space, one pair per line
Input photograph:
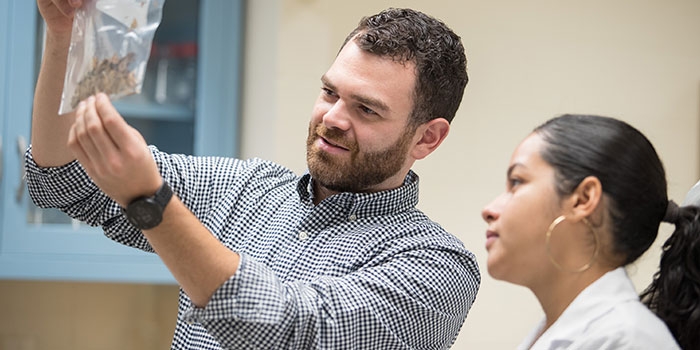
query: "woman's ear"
587, 197
429, 136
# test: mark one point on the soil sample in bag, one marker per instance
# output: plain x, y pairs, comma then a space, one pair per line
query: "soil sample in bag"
110, 75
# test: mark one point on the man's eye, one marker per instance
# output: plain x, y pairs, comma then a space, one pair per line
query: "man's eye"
367, 110
328, 91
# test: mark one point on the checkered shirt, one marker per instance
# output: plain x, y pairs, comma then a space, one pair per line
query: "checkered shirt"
357, 271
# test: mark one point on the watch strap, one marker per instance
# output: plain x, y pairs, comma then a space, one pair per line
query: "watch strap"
147, 212
163, 194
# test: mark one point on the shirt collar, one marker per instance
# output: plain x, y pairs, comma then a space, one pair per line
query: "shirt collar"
380, 203
611, 289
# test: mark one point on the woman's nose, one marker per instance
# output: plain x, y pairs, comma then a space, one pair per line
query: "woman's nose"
490, 213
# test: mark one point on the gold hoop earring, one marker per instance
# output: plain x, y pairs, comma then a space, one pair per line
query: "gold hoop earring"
585, 267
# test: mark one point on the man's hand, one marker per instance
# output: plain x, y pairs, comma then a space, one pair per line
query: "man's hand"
58, 14
113, 153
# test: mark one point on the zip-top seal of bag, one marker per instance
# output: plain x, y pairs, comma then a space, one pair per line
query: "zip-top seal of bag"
109, 49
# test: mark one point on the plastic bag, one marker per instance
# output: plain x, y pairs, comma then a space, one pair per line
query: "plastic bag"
109, 49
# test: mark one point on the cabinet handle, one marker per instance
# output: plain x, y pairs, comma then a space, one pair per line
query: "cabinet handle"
21, 148
1, 159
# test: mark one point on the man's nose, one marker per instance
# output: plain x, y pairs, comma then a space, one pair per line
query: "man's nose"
337, 116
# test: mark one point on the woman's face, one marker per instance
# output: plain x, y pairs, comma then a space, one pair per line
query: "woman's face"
518, 219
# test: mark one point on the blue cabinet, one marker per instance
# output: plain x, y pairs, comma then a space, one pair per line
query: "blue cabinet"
202, 120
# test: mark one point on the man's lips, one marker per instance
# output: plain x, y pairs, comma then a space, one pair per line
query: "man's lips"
326, 144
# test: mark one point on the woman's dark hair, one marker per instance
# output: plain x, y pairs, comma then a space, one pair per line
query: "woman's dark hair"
407, 35
634, 181
674, 294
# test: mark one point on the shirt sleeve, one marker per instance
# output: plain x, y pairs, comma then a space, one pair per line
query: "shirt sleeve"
69, 189
200, 182
418, 299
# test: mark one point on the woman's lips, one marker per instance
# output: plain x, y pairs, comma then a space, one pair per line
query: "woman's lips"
491, 237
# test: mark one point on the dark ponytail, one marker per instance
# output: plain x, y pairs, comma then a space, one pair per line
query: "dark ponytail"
674, 294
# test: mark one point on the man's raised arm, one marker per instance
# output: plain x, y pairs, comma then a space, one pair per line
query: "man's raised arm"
49, 130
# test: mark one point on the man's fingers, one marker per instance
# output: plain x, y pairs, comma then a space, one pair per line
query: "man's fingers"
104, 144
82, 134
78, 140
67, 7
114, 124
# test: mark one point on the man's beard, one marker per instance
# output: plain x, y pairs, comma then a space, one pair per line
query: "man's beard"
362, 170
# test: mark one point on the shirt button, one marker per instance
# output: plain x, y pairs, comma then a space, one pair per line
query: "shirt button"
303, 235
352, 217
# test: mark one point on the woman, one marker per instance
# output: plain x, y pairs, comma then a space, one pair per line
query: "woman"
693, 196
584, 198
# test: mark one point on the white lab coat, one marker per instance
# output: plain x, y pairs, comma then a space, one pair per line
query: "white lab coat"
693, 196
605, 315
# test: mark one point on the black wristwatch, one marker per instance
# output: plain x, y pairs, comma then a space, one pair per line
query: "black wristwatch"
147, 212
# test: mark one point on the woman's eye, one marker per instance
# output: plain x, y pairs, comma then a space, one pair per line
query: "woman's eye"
514, 182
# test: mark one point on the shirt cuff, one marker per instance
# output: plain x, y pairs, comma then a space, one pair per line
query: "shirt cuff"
57, 187
252, 294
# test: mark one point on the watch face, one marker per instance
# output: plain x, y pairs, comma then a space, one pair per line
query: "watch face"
145, 213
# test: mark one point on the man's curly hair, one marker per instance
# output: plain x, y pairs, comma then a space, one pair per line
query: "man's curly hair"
407, 35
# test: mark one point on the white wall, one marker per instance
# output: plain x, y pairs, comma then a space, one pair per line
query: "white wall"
638, 60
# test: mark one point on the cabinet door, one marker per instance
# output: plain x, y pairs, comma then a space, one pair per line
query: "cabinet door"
189, 104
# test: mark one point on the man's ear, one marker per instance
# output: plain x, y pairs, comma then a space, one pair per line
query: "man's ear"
587, 197
429, 136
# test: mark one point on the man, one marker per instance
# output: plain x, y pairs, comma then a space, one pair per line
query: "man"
337, 258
